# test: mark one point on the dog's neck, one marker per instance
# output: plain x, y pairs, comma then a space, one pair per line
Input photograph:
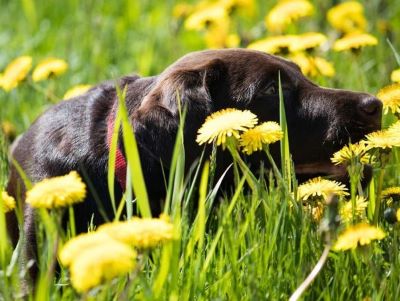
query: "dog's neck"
137, 88
120, 161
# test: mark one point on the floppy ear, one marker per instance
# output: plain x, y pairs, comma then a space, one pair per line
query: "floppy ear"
197, 87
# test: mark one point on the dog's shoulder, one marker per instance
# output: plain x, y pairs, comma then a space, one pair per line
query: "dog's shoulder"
67, 134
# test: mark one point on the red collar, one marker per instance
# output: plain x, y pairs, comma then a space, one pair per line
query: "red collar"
120, 161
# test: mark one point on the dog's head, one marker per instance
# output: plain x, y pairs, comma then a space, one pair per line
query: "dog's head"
320, 120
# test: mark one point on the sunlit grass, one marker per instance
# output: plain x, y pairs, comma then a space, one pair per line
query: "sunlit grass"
255, 242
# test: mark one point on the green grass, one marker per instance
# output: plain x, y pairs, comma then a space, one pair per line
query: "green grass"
255, 245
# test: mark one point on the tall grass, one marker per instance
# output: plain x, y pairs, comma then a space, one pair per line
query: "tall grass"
246, 245
245, 249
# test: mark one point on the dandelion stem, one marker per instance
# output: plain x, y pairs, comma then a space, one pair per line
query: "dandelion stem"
251, 179
49, 94
274, 167
213, 163
310, 278
384, 157
359, 71
378, 196
72, 221
279, 175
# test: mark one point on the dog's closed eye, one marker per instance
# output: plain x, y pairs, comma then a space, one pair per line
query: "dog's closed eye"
270, 89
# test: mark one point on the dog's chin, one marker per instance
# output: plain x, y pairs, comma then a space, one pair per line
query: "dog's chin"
339, 173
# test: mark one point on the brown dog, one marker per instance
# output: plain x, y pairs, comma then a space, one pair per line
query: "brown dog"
74, 134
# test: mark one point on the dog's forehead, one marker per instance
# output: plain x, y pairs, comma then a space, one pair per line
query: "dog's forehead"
254, 58
257, 63
262, 63
258, 67
234, 56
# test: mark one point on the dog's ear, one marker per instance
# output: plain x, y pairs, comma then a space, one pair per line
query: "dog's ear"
197, 87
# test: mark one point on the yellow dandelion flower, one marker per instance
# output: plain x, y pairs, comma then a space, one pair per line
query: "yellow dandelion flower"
394, 128
354, 41
384, 139
320, 188
76, 91
140, 232
384, 27
49, 67
313, 66
286, 12
232, 4
306, 41
389, 137
317, 211
273, 45
9, 130
391, 192
324, 67
346, 210
390, 97
80, 243
347, 17
217, 35
358, 151
246, 7
289, 43
100, 263
225, 123
8, 201
232, 40
265, 133
57, 192
398, 214
360, 234
205, 16
395, 76
181, 10
305, 63
15, 72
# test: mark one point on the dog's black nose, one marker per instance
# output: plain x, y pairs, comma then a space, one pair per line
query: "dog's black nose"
370, 107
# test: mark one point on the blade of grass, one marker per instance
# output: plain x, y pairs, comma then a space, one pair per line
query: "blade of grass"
163, 273
29, 8
112, 159
285, 152
372, 199
193, 183
4, 245
396, 54
120, 208
133, 158
200, 221
128, 194
177, 167
212, 248
213, 193
21, 173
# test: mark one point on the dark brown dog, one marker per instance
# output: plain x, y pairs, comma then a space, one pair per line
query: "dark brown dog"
73, 134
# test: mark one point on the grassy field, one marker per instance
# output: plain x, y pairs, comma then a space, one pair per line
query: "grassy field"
258, 244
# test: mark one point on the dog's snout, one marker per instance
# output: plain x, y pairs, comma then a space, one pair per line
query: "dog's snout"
370, 107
